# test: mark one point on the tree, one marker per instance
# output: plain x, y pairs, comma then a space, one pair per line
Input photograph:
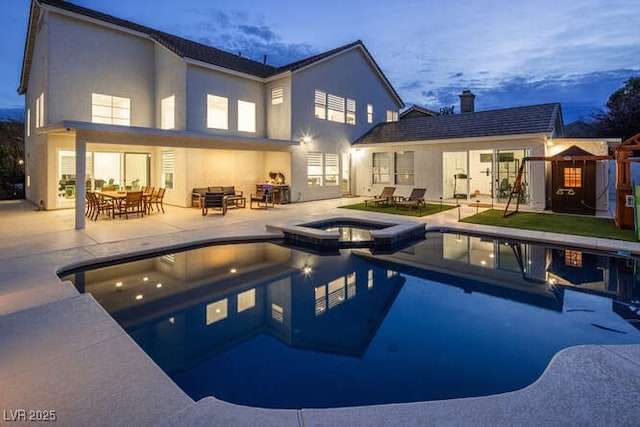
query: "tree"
11, 159
622, 118
446, 111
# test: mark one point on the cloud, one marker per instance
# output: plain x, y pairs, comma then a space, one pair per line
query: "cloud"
261, 32
580, 94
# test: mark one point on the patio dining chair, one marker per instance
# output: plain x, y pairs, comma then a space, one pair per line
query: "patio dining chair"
97, 205
157, 198
132, 204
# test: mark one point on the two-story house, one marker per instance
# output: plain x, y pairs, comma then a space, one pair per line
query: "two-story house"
112, 102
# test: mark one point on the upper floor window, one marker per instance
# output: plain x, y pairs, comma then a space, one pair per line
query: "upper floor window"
351, 111
40, 111
27, 129
369, 113
246, 116
392, 116
321, 105
217, 112
168, 112
111, 110
277, 95
335, 108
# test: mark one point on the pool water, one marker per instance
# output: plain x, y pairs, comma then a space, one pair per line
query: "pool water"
453, 316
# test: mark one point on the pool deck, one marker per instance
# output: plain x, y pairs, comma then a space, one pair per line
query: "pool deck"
60, 351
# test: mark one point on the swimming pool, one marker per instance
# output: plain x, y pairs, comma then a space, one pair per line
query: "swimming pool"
453, 316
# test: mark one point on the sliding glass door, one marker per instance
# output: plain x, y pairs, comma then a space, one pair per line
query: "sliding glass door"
136, 170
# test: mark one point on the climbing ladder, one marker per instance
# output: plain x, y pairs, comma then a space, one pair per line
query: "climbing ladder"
516, 190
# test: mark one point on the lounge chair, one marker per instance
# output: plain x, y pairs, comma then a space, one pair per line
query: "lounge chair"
213, 200
415, 199
384, 197
263, 197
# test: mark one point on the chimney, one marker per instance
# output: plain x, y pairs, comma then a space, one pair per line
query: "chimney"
467, 102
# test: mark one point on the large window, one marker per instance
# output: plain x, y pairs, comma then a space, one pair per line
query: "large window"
168, 169
246, 116
404, 167
217, 112
323, 169
381, 168
314, 169
331, 169
168, 112
111, 110
351, 111
321, 105
335, 108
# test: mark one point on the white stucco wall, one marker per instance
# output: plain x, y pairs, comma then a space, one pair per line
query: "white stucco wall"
428, 167
86, 58
171, 79
36, 167
348, 75
279, 116
202, 81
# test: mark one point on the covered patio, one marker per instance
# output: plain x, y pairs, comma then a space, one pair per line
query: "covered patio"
196, 159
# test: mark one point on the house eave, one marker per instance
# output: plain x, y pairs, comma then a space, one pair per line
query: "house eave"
447, 141
135, 135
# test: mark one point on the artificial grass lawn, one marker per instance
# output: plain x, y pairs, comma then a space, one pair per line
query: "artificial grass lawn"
429, 209
565, 224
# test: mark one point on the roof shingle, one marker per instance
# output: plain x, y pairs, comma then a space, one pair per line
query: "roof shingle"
509, 121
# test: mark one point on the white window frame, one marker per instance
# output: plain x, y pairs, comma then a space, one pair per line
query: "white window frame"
168, 112
369, 113
404, 162
277, 95
331, 169
168, 169
40, 111
246, 116
217, 112
320, 105
351, 111
335, 108
392, 116
381, 172
315, 169
110, 110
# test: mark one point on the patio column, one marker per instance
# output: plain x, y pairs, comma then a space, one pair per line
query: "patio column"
81, 172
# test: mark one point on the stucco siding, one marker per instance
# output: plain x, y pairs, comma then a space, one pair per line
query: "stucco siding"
278, 117
171, 80
348, 75
202, 82
87, 58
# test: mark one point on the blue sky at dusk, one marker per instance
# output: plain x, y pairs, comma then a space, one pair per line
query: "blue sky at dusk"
509, 53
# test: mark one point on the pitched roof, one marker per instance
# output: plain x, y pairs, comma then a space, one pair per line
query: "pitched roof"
416, 111
187, 48
211, 55
543, 118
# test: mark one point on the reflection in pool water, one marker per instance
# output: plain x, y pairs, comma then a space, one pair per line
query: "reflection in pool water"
453, 316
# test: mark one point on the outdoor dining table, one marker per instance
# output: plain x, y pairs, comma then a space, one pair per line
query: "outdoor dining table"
119, 196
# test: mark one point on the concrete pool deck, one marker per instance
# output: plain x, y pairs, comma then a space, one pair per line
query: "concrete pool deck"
60, 351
